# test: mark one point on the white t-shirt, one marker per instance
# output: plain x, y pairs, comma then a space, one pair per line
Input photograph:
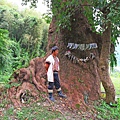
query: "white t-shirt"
51, 60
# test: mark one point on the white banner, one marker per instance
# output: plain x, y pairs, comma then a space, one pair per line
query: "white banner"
82, 47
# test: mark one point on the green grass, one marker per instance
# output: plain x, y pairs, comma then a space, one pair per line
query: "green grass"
33, 112
115, 77
116, 82
105, 112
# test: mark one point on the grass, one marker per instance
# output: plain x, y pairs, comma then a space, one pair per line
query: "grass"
33, 112
105, 112
115, 77
37, 112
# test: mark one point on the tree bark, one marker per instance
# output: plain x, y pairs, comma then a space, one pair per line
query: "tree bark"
80, 81
27, 83
104, 66
91, 72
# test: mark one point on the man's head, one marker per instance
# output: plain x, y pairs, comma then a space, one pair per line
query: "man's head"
55, 50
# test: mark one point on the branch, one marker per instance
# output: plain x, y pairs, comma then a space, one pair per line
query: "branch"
86, 5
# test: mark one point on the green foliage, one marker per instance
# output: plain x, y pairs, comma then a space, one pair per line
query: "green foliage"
33, 2
47, 17
77, 106
105, 112
98, 12
4, 49
113, 61
12, 56
25, 27
107, 11
23, 36
63, 11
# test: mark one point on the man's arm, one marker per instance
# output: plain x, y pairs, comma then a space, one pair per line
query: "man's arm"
47, 64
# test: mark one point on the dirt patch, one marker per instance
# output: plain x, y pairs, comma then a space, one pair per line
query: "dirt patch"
59, 106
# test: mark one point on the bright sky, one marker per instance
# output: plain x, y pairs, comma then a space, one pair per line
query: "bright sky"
40, 5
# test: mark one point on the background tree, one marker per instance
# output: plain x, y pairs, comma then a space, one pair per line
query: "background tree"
26, 28
4, 50
6, 56
23, 37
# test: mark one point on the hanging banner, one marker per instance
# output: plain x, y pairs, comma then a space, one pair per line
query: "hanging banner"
74, 59
82, 47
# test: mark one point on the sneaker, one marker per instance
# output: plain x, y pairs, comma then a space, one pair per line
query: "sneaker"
61, 94
51, 97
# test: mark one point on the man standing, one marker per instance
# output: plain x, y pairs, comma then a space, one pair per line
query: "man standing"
52, 68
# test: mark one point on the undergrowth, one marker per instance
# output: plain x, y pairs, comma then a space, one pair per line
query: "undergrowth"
106, 112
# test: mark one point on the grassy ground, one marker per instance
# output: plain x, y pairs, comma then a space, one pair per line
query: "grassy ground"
37, 111
30, 111
106, 112
116, 81
115, 77
33, 112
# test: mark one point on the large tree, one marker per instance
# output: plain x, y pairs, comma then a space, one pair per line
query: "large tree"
77, 21
84, 50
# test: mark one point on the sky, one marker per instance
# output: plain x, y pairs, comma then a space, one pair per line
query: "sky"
118, 54
41, 7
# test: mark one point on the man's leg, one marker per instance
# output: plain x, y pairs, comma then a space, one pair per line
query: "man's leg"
50, 91
57, 85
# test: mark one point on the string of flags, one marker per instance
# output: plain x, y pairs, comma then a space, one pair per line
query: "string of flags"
74, 59
81, 47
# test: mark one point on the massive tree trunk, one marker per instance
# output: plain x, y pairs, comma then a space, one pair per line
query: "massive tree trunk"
83, 69
79, 76
84, 64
